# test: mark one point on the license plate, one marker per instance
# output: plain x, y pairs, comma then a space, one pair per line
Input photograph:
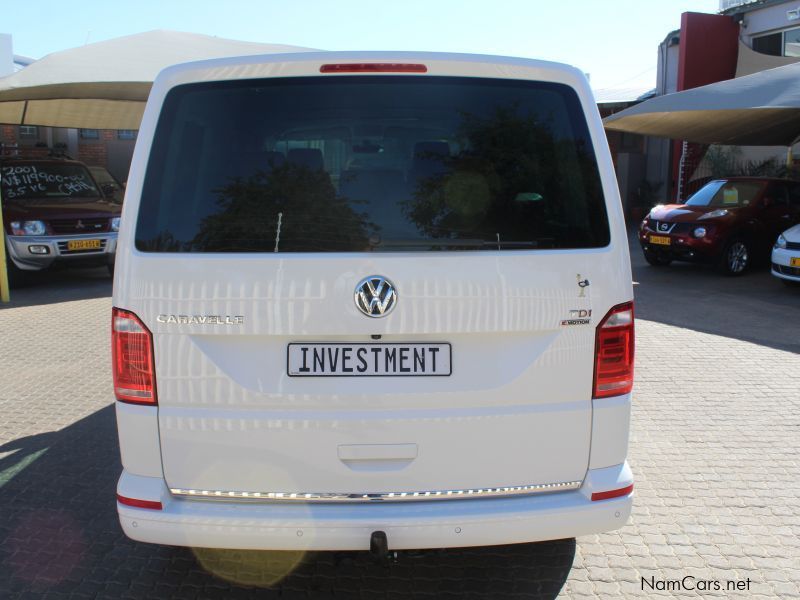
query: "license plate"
368, 360
794, 261
661, 240
83, 245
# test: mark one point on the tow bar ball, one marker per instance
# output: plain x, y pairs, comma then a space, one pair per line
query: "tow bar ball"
379, 548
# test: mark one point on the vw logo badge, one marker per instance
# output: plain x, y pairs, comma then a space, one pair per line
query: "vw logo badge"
375, 296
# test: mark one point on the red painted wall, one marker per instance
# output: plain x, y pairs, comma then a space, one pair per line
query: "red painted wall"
709, 50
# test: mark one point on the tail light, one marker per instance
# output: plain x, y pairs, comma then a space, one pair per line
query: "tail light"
614, 342
132, 359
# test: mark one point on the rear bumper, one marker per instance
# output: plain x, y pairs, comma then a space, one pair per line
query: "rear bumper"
411, 525
19, 249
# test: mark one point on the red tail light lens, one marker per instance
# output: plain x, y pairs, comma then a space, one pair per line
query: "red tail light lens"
136, 503
132, 359
614, 343
373, 68
612, 493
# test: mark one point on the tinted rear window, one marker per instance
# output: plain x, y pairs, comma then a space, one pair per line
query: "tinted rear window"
371, 163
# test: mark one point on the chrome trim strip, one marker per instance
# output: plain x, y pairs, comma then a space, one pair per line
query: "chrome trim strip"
519, 490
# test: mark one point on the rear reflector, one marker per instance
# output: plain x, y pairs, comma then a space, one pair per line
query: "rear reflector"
136, 503
373, 68
614, 346
132, 359
612, 493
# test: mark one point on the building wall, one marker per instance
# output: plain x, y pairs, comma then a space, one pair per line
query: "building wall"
667, 72
106, 151
6, 55
709, 48
767, 19
658, 151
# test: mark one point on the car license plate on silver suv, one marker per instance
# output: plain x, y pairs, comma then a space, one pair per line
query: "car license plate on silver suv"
368, 360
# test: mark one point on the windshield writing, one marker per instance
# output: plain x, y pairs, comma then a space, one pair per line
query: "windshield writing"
26, 182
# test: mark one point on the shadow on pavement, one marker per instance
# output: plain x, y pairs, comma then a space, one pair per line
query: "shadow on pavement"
755, 307
59, 533
62, 285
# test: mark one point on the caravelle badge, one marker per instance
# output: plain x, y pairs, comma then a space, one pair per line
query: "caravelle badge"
375, 296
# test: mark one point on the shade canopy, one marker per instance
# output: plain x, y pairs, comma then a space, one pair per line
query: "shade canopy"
105, 85
762, 109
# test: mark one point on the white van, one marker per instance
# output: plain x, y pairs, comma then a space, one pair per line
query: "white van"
372, 300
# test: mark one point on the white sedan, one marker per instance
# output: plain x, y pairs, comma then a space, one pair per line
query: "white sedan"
786, 256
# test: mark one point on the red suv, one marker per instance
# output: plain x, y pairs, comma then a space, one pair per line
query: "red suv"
728, 222
55, 213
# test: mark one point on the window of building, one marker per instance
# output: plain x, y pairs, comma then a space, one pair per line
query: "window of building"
791, 42
126, 134
782, 43
769, 44
28, 132
90, 134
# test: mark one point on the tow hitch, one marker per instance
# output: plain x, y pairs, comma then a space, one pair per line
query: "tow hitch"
379, 549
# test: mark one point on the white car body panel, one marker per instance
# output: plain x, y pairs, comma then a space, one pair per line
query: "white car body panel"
516, 411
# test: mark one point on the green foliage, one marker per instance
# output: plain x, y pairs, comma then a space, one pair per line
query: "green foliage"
726, 161
292, 207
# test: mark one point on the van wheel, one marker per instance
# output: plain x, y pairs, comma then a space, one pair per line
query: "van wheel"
656, 260
736, 257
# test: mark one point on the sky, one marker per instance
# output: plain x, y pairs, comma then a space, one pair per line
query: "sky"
614, 41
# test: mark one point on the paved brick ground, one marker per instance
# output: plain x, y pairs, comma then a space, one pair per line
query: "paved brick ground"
715, 440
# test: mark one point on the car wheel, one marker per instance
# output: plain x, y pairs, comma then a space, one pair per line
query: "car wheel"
656, 260
736, 257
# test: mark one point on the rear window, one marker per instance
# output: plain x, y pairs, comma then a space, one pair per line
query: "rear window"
371, 164
27, 182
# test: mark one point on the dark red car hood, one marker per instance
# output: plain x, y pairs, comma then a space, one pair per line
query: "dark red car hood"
46, 210
682, 213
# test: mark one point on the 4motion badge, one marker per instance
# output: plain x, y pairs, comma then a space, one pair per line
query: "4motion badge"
578, 317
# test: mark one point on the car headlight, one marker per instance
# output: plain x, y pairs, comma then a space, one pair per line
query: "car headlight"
115, 224
699, 232
780, 242
28, 227
720, 212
